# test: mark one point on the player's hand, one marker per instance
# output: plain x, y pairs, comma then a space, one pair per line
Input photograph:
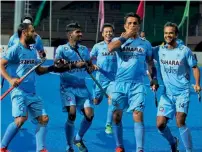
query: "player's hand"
81, 64
42, 54
128, 34
154, 85
59, 63
197, 88
91, 68
14, 82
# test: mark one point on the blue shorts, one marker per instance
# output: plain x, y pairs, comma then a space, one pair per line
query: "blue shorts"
79, 97
170, 104
128, 96
23, 102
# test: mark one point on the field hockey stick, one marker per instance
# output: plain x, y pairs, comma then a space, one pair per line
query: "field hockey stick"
94, 79
22, 78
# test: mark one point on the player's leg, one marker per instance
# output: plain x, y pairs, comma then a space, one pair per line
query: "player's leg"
19, 110
182, 104
86, 106
136, 104
119, 102
40, 117
165, 112
69, 105
108, 126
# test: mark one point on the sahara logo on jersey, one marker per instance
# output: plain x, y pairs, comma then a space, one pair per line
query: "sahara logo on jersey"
26, 61
171, 62
132, 49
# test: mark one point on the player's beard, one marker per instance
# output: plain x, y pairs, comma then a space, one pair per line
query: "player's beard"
30, 40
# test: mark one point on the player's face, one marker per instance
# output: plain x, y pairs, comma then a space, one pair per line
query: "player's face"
76, 35
132, 24
169, 34
107, 33
30, 35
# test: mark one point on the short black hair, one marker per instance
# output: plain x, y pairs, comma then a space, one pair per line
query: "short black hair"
131, 14
27, 16
108, 25
21, 27
172, 25
72, 26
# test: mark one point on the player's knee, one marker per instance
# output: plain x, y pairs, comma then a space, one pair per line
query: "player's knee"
43, 120
72, 116
161, 125
116, 117
19, 121
89, 118
180, 119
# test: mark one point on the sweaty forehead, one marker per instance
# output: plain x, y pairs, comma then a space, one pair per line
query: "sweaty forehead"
132, 19
31, 28
108, 29
169, 29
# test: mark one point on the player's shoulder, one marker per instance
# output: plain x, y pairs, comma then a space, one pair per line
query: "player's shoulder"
64, 47
82, 47
184, 48
14, 36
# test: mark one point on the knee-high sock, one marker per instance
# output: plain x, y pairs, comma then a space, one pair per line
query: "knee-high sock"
139, 135
118, 134
41, 131
109, 115
85, 125
10, 133
166, 133
186, 138
69, 130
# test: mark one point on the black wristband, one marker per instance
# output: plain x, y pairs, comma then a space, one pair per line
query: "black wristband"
122, 39
51, 68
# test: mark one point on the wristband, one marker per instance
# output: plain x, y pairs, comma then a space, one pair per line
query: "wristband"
122, 39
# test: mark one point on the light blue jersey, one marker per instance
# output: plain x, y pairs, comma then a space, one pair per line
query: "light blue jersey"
75, 77
73, 87
14, 39
21, 60
106, 61
128, 89
179, 41
107, 64
131, 58
175, 67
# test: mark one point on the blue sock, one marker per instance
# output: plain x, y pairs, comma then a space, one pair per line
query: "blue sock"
109, 116
41, 131
85, 124
118, 134
10, 133
186, 138
166, 133
139, 135
69, 130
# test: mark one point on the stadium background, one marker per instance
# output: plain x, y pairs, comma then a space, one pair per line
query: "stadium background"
157, 13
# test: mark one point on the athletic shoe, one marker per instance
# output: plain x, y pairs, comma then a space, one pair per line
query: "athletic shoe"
120, 149
3, 150
80, 145
108, 129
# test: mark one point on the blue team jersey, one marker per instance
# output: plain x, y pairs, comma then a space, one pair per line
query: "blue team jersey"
131, 58
74, 77
106, 61
179, 41
20, 61
14, 39
175, 67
